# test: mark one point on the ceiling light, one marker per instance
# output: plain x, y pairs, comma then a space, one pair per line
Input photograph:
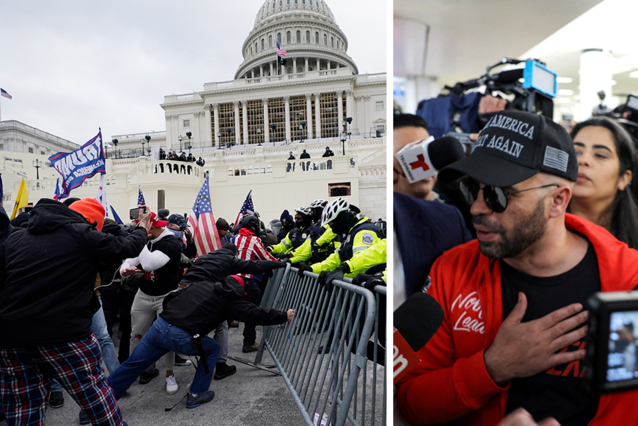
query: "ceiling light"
633, 74
564, 101
565, 92
564, 79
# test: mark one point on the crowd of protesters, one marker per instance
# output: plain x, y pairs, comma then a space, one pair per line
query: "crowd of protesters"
512, 244
70, 279
190, 158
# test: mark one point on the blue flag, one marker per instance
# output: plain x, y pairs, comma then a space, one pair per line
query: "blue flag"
79, 165
115, 216
140, 197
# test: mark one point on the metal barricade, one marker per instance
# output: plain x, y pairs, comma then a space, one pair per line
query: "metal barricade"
335, 373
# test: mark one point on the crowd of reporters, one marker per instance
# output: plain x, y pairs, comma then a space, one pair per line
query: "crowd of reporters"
436, 216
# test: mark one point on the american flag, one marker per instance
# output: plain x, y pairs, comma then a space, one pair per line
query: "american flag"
201, 223
247, 208
100, 195
280, 51
140, 198
58, 193
5, 94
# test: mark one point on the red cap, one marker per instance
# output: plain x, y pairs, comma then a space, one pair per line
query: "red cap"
156, 223
239, 279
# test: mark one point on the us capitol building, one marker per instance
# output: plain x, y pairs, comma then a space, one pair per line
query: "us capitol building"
245, 130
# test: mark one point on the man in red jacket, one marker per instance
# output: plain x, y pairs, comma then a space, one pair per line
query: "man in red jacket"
513, 334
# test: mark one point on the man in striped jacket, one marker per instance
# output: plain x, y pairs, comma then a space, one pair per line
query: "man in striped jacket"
250, 247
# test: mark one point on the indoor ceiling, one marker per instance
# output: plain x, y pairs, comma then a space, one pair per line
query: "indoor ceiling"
466, 36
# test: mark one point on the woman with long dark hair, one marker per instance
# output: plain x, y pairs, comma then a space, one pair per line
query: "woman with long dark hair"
606, 166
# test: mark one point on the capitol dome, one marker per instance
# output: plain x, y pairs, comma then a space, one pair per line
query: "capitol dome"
306, 29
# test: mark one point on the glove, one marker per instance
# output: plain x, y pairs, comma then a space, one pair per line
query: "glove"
373, 282
283, 256
270, 264
303, 267
327, 277
368, 281
361, 279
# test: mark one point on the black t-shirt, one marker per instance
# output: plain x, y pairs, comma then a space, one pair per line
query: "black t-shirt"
166, 278
559, 392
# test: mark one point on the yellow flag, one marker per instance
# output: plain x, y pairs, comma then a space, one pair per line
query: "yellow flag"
22, 200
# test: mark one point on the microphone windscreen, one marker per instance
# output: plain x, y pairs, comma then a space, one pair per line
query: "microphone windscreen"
417, 319
445, 151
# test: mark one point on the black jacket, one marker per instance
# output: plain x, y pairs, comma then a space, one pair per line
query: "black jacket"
165, 279
216, 265
47, 274
200, 308
5, 225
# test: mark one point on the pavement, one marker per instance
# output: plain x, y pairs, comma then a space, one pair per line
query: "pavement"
250, 397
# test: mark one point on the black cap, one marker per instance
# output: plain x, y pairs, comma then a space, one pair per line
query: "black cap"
513, 147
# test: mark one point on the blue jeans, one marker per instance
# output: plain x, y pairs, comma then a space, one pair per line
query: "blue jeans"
254, 296
98, 327
161, 338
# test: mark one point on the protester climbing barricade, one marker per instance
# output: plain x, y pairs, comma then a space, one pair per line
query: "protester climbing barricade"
334, 371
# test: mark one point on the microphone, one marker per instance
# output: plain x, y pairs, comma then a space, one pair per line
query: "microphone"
415, 322
423, 159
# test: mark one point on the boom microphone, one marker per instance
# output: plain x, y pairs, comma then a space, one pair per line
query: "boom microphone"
423, 159
415, 322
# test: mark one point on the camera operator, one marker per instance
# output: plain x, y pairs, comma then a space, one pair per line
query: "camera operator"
513, 299
188, 316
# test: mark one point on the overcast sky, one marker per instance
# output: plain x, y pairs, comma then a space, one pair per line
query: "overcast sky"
73, 66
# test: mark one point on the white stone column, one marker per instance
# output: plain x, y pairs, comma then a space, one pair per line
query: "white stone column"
261, 71
595, 75
317, 116
366, 105
306, 68
245, 121
287, 115
340, 109
309, 114
208, 130
169, 129
349, 106
237, 128
266, 126
175, 128
216, 117
271, 74
358, 118
201, 129
294, 65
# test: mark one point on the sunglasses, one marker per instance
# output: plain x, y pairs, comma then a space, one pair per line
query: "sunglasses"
495, 197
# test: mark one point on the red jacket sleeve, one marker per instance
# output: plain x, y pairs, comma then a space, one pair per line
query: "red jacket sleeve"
443, 387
